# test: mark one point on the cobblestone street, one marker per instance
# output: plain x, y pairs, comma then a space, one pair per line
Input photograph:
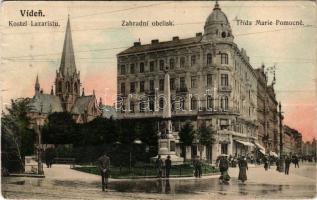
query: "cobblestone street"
63, 182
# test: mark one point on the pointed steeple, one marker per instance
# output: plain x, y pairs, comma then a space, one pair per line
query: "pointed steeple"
68, 58
37, 84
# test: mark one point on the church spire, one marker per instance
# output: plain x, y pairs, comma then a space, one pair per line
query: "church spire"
68, 57
37, 84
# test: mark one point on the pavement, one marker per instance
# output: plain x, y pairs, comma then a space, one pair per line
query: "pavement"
61, 182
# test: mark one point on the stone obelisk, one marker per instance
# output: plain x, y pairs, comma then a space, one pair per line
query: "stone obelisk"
166, 140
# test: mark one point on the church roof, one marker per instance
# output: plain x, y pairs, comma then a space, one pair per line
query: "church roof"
68, 58
162, 45
45, 103
81, 104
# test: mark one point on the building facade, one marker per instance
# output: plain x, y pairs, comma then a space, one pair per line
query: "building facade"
212, 84
267, 113
292, 141
67, 97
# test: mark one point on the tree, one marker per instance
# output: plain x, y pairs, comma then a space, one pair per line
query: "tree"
186, 136
17, 139
60, 129
205, 137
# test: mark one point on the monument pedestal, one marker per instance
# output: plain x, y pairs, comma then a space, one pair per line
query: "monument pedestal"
167, 147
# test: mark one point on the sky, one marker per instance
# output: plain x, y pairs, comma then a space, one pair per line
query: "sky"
98, 36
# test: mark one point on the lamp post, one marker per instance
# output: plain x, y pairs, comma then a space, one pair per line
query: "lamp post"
281, 138
39, 123
136, 141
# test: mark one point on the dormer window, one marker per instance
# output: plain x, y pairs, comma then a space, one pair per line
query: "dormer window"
223, 34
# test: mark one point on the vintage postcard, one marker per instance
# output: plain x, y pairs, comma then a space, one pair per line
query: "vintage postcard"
158, 99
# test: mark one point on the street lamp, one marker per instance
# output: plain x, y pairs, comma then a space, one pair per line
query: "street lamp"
136, 141
39, 123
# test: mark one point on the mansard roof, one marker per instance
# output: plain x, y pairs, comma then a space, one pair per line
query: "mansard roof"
156, 45
45, 103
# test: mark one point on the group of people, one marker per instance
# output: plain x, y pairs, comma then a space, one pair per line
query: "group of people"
224, 164
160, 166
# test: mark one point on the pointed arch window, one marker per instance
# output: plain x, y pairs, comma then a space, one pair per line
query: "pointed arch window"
76, 88
68, 88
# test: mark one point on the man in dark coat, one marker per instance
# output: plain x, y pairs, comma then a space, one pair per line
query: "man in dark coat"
104, 168
168, 166
287, 164
296, 161
159, 166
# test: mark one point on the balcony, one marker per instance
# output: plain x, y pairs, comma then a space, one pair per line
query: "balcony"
218, 110
181, 90
226, 88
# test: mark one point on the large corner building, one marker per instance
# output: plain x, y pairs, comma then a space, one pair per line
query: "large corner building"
212, 84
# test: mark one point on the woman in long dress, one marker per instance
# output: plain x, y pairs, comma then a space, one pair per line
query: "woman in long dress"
243, 167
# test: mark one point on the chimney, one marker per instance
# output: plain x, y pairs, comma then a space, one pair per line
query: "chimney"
199, 34
136, 44
175, 38
155, 41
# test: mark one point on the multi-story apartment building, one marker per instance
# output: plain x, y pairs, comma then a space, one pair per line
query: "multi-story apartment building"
267, 114
292, 141
212, 84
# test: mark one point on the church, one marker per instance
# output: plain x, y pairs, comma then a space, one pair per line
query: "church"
66, 97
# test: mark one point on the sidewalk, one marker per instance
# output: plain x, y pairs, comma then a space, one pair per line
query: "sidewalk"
258, 175
65, 173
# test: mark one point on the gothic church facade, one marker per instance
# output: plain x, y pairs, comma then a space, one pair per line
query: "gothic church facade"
67, 97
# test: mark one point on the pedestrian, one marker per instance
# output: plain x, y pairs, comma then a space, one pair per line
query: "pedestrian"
287, 164
195, 164
243, 167
168, 166
266, 163
199, 167
104, 168
223, 167
277, 162
159, 166
49, 157
296, 162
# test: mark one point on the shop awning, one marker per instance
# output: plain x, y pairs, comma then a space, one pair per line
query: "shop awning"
272, 153
262, 151
260, 147
245, 143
